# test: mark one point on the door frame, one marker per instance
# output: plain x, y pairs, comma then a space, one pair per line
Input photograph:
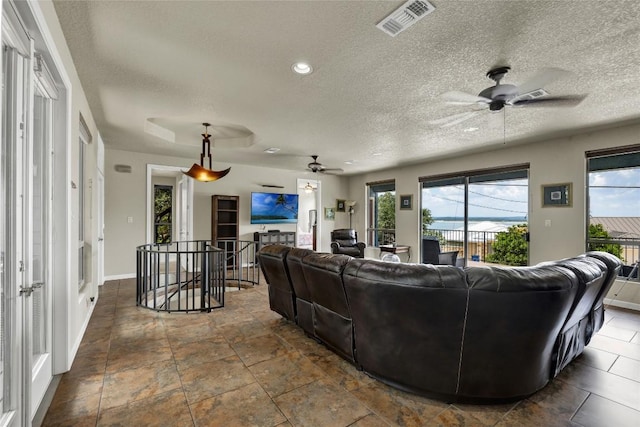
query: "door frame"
174, 171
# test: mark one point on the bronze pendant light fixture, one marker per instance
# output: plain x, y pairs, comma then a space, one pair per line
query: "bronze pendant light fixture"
198, 171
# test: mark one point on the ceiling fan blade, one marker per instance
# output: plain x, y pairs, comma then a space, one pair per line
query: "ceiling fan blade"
552, 101
331, 171
462, 98
542, 78
453, 120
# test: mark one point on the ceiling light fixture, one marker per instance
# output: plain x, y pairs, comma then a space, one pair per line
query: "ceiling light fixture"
309, 188
271, 150
302, 68
198, 171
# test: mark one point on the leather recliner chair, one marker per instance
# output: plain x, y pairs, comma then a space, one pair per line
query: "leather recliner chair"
273, 266
345, 241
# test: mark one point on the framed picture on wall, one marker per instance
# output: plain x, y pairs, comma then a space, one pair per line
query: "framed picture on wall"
406, 201
556, 195
329, 214
340, 205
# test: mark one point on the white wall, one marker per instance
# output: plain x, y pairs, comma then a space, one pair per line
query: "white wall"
126, 197
554, 161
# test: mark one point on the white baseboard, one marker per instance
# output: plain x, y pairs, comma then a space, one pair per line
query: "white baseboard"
622, 304
120, 277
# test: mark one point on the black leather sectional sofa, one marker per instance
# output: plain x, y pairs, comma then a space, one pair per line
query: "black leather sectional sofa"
474, 334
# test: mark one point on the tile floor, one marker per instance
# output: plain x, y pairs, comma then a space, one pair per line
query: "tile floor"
244, 365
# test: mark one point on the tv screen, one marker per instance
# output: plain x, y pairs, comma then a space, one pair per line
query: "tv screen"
274, 208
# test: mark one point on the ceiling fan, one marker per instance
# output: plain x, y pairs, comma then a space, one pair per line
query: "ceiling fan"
528, 94
316, 167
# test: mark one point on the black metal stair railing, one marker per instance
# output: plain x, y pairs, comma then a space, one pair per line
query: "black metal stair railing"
241, 262
180, 276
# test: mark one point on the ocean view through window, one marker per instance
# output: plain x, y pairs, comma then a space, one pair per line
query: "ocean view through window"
475, 212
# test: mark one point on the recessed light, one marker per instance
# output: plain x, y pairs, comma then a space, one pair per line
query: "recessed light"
272, 150
302, 68
350, 162
472, 129
377, 154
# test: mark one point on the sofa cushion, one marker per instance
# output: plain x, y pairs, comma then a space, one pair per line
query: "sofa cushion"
514, 317
276, 273
408, 321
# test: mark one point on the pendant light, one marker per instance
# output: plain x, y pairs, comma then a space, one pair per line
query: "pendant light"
198, 171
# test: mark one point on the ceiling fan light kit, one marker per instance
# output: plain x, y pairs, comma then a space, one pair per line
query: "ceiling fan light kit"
495, 98
198, 171
317, 167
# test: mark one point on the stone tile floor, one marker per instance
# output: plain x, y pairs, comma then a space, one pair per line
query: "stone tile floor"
243, 365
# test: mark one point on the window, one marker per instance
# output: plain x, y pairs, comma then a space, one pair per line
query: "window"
381, 213
613, 203
162, 209
482, 214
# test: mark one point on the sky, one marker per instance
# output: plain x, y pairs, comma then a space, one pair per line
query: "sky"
612, 193
507, 198
615, 193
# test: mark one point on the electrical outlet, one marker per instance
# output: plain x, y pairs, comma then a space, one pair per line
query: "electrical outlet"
547, 223
130, 219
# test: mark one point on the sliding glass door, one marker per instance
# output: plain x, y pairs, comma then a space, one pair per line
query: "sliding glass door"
483, 215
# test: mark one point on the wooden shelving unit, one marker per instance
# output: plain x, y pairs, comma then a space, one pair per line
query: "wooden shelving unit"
225, 217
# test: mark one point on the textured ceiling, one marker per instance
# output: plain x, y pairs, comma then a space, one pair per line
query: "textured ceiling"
176, 64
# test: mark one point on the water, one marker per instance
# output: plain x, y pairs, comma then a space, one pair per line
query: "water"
457, 225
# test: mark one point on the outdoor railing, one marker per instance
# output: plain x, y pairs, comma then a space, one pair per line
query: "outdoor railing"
629, 253
180, 276
380, 236
480, 243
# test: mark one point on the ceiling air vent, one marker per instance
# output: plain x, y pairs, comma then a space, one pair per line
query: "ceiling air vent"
405, 16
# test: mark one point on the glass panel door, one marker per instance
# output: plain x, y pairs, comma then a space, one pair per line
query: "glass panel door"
445, 201
39, 273
483, 216
12, 263
497, 230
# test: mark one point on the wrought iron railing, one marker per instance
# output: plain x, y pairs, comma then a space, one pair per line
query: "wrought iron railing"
240, 259
180, 276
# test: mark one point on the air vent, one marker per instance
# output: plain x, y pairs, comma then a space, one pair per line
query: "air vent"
122, 168
528, 96
405, 16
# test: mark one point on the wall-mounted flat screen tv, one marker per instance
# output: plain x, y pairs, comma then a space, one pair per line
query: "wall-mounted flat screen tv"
274, 208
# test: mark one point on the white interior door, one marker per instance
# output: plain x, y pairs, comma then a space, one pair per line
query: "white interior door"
100, 219
39, 235
25, 224
14, 318
308, 211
